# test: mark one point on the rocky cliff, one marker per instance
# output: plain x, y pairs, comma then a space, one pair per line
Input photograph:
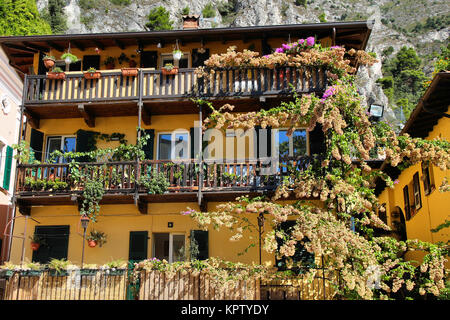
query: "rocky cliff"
420, 24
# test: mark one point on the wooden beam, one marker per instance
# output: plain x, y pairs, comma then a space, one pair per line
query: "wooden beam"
20, 48
119, 44
142, 206
25, 210
35, 47
22, 55
32, 119
99, 44
88, 117
55, 46
146, 115
78, 45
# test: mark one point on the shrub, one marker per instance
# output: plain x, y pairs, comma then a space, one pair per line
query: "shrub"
209, 11
159, 19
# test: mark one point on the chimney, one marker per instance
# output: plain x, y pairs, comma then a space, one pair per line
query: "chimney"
191, 21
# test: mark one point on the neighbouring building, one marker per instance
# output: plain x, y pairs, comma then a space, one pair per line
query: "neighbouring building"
10, 101
415, 205
79, 114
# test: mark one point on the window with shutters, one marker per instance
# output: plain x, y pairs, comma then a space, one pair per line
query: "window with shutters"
198, 245
169, 246
407, 205
6, 160
62, 143
2, 159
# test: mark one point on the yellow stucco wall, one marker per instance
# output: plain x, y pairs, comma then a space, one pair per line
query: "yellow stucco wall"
435, 206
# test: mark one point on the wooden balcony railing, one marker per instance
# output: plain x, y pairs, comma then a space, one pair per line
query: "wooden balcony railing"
152, 84
185, 176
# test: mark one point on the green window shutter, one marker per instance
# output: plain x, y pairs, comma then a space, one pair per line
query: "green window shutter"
148, 148
138, 245
201, 240
85, 142
8, 164
37, 143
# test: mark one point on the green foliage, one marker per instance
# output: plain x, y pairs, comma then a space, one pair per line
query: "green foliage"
73, 58
55, 15
432, 23
322, 17
209, 11
97, 236
403, 83
155, 183
21, 18
301, 3
185, 11
88, 4
226, 8
121, 2
284, 9
159, 19
388, 51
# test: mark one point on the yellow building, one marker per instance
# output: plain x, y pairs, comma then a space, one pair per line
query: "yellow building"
66, 114
415, 205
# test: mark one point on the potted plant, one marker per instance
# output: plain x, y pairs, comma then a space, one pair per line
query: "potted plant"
32, 269
169, 69
36, 242
56, 73
132, 63
177, 54
49, 61
92, 73
58, 267
69, 58
110, 62
96, 237
115, 267
129, 72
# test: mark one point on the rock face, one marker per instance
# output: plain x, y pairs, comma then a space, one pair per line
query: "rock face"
393, 22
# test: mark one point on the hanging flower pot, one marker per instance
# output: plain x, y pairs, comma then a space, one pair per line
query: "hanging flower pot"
49, 61
177, 54
92, 243
35, 246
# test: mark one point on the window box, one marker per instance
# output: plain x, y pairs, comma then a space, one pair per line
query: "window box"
92, 75
56, 75
115, 272
31, 273
129, 72
56, 273
172, 71
6, 273
88, 272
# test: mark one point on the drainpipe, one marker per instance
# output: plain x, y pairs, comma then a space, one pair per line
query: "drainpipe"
200, 156
138, 169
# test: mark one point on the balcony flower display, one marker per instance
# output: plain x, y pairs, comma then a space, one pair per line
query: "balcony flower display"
177, 54
49, 61
92, 73
56, 74
169, 69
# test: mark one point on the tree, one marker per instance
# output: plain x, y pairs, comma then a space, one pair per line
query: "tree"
341, 179
21, 18
55, 15
159, 19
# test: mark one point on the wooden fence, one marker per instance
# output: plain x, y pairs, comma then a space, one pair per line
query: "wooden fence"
96, 285
156, 285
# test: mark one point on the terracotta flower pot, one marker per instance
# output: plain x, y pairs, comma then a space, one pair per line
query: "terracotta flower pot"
166, 72
49, 63
35, 246
56, 75
92, 243
92, 75
129, 72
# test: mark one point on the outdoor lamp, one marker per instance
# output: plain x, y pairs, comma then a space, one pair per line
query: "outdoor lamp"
376, 111
84, 221
84, 224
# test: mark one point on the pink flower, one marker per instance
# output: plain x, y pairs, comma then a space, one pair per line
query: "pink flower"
279, 50
397, 181
301, 41
310, 41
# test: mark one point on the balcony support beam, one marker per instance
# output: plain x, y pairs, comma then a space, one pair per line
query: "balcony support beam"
142, 206
25, 210
32, 119
88, 117
147, 115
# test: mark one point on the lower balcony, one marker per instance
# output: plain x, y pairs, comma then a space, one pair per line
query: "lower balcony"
187, 181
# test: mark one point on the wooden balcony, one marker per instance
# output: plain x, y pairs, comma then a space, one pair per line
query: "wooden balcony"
40, 93
187, 180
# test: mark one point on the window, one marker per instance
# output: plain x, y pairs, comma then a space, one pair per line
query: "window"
172, 146
428, 181
291, 146
406, 203
56, 243
184, 62
62, 143
416, 187
169, 246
